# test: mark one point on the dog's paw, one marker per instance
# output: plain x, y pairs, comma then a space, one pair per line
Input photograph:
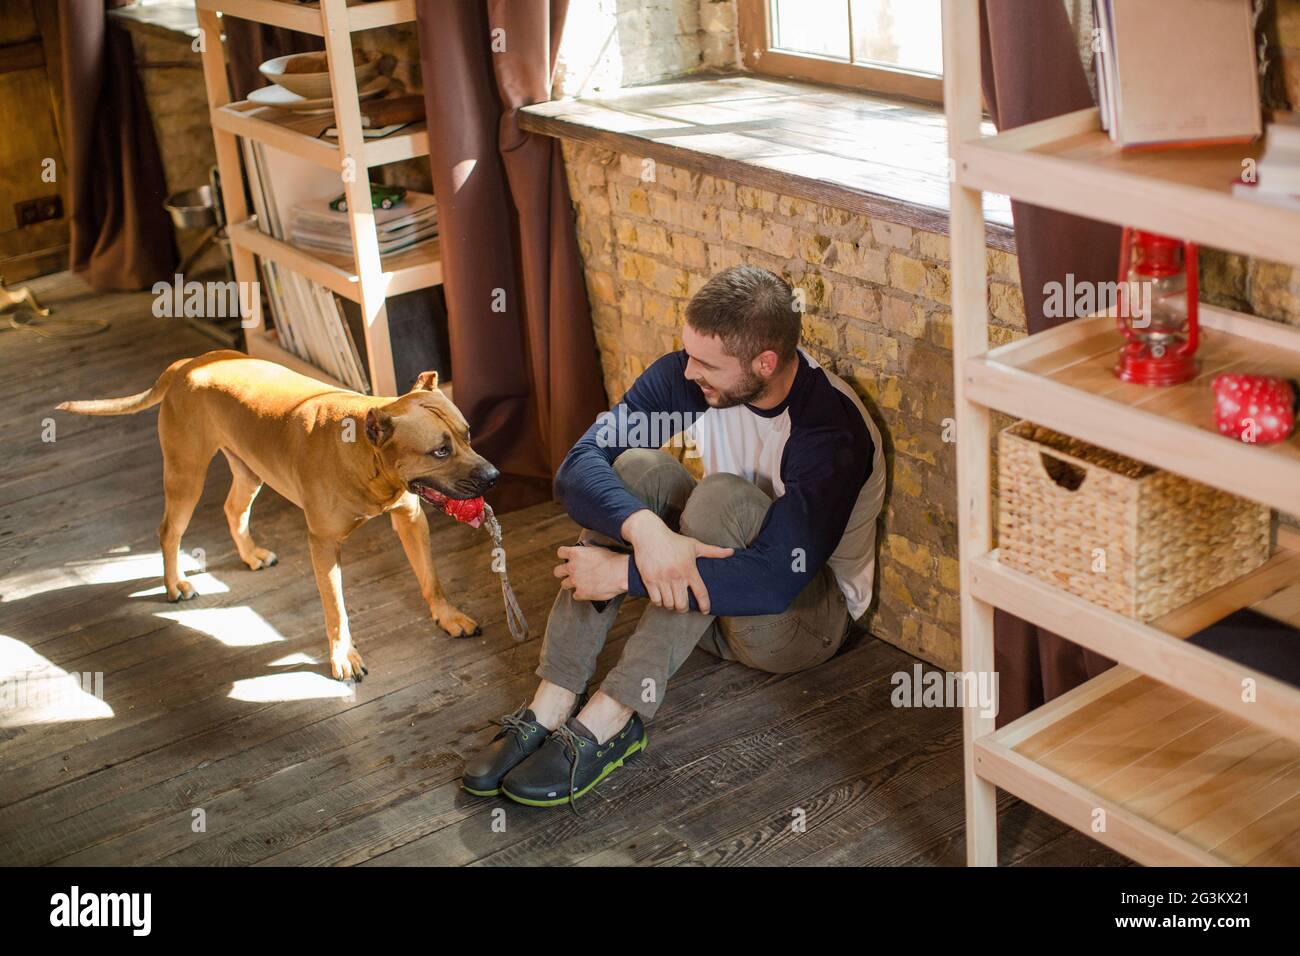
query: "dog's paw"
348, 666
262, 558
456, 624
184, 592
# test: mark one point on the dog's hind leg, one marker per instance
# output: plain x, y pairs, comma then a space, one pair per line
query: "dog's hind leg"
345, 660
412, 528
239, 504
185, 464
183, 486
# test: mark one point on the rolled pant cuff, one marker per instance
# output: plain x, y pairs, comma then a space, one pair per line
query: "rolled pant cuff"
574, 685
628, 693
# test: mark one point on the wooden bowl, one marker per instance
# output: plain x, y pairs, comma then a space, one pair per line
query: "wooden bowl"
307, 74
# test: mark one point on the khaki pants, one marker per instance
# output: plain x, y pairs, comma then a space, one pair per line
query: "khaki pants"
724, 510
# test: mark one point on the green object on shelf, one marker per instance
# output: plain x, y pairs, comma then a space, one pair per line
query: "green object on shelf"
381, 197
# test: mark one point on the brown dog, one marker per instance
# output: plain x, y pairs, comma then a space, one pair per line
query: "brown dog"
342, 457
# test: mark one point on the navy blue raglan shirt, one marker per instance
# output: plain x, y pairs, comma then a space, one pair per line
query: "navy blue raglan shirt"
817, 455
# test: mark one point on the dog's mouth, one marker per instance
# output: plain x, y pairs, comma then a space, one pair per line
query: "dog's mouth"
428, 491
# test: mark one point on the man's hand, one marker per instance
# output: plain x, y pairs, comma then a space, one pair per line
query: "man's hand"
666, 561
592, 573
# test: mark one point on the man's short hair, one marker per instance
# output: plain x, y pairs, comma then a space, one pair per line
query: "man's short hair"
750, 309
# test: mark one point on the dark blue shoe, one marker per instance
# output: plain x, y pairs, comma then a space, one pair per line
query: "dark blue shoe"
570, 762
519, 738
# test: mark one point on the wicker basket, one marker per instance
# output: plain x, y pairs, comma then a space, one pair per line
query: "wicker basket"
1119, 533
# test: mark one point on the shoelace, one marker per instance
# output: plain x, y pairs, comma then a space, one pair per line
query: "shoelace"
570, 742
514, 722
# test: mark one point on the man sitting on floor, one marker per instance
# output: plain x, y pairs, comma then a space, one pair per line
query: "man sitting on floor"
765, 561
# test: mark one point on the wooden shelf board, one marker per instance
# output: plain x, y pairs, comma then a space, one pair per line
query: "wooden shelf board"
306, 18
1068, 163
1063, 379
266, 345
1157, 649
298, 134
1180, 782
416, 268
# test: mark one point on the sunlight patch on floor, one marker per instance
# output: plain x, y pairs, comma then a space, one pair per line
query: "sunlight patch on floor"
293, 660
232, 626
33, 690
114, 568
296, 685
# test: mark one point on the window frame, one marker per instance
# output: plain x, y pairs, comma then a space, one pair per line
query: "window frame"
754, 24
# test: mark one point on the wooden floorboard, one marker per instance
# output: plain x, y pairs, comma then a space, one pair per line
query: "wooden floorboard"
225, 705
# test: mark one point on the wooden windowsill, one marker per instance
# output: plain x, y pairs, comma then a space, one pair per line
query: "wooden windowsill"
167, 19
867, 154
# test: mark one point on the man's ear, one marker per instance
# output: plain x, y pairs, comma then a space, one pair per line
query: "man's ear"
379, 426
766, 363
426, 382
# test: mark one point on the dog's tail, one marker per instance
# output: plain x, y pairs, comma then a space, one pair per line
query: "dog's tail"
130, 404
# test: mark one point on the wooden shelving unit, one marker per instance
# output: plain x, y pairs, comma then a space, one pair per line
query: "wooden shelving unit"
1159, 758
362, 277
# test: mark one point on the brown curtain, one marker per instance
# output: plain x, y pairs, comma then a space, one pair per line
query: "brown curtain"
121, 237
1032, 72
522, 348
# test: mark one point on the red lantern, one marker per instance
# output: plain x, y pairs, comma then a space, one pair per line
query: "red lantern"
1157, 313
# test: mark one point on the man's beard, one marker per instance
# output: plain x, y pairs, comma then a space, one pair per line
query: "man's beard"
749, 388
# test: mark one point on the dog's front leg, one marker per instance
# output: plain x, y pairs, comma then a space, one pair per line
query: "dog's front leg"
413, 528
326, 552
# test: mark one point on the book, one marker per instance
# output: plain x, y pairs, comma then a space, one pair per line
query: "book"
1279, 167
306, 316
1251, 192
1178, 74
369, 132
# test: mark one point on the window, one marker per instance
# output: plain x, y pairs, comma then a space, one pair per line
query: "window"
887, 46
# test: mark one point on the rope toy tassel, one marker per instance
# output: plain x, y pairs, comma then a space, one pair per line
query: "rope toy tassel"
476, 512
514, 614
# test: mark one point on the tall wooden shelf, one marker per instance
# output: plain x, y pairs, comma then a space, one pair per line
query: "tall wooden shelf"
1160, 757
363, 277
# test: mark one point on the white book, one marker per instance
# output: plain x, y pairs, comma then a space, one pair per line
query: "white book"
349, 373
295, 181
362, 373
1105, 65
1253, 193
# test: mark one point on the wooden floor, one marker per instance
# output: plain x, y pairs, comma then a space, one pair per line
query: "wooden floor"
223, 705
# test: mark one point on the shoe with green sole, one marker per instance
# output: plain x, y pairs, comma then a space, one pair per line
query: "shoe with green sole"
520, 737
570, 762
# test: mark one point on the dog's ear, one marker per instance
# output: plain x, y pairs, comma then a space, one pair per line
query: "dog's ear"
379, 426
425, 382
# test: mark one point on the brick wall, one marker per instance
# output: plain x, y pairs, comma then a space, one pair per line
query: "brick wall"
609, 44
877, 313
1251, 285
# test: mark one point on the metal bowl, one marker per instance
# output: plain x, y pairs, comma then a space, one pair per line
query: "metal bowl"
192, 208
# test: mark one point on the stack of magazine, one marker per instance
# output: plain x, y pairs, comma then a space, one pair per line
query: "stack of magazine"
311, 321
415, 220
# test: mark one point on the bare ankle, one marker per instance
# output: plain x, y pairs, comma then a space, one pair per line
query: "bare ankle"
604, 716
552, 704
